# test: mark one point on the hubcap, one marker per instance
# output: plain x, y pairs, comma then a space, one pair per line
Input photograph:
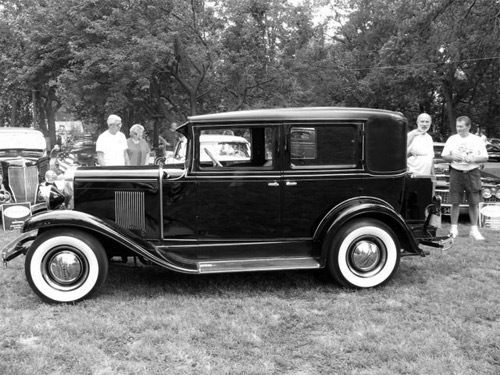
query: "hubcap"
366, 257
65, 267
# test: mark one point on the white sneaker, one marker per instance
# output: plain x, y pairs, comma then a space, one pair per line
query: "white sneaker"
476, 235
453, 233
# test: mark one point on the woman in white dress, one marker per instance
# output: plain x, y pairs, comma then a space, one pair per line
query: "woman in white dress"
420, 148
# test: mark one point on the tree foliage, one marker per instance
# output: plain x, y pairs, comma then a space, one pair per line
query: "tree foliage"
154, 61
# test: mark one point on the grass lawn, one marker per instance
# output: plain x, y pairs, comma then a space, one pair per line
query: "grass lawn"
439, 315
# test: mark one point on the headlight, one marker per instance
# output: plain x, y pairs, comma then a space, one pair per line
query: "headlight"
59, 189
497, 194
1, 179
52, 196
486, 193
50, 176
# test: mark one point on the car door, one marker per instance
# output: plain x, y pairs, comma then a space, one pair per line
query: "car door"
238, 183
322, 167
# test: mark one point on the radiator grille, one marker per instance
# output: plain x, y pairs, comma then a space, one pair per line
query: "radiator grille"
23, 182
130, 210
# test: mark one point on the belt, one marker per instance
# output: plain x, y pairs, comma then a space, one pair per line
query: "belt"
468, 171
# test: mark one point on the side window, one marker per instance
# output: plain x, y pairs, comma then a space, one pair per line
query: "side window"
235, 147
322, 145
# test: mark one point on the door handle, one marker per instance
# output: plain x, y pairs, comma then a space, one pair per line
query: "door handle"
275, 183
291, 183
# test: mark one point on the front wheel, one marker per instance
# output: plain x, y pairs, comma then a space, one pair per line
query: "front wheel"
363, 254
66, 266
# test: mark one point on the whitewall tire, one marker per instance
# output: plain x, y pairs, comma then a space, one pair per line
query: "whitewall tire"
364, 254
65, 266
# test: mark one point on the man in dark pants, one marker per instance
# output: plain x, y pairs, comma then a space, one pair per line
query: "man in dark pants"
465, 152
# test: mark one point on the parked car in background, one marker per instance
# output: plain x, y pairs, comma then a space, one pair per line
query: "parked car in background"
494, 141
23, 163
493, 152
262, 190
438, 149
81, 152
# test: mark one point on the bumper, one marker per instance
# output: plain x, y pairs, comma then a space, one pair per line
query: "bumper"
19, 246
443, 243
426, 234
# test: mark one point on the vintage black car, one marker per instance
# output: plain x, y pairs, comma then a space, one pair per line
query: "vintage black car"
23, 163
339, 199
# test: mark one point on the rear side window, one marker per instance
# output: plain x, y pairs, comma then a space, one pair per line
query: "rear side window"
321, 146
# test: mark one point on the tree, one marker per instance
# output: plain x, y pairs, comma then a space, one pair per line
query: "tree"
416, 55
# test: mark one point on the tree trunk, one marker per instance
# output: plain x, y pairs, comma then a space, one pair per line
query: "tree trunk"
51, 106
13, 114
447, 91
35, 109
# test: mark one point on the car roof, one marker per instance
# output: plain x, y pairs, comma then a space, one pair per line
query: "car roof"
294, 114
22, 138
20, 130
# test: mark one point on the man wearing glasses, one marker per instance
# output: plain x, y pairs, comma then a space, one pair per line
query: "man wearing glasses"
111, 145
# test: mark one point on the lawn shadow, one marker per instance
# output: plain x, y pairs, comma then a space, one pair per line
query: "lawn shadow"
152, 280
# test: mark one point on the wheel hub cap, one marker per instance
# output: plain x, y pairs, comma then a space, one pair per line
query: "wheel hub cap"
366, 256
65, 267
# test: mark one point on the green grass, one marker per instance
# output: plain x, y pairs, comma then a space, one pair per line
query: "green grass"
439, 315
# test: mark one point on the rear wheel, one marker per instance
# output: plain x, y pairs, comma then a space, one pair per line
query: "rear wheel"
363, 254
66, 266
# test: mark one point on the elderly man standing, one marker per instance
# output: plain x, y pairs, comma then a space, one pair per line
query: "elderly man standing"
465, 152
420, 147
111, 145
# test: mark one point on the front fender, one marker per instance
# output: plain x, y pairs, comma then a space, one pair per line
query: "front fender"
108, 229
76, 219
365, 207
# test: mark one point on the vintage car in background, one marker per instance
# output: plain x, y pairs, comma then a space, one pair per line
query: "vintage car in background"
494, 141
346, 204
79, 153
23, 163
493, 152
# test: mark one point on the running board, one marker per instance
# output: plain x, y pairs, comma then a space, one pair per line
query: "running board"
262, 264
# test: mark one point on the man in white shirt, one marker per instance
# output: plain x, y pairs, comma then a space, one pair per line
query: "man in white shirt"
111, 145
465, 152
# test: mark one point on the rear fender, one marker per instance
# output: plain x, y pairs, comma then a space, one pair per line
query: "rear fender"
366, 207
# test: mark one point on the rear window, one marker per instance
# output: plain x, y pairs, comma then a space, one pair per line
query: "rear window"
322, 146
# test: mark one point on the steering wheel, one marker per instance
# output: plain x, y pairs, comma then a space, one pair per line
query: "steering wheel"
211, 156
160, 160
